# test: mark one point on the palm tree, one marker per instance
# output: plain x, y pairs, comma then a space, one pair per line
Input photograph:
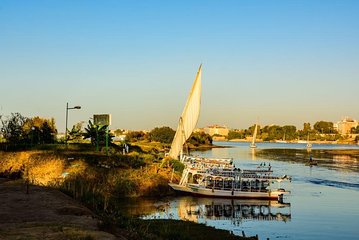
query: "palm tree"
97, 134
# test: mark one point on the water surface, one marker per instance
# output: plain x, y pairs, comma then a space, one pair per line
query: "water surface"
323, 203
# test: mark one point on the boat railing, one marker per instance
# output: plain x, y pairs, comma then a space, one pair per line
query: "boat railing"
243, 189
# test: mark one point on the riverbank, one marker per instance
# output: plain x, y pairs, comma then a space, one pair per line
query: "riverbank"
45, 213
96, 180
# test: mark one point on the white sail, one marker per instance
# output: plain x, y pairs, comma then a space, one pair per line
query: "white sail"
189, 117
254, 135
253, 144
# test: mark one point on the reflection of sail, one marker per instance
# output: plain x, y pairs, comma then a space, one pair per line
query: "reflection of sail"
253, 153
189, 117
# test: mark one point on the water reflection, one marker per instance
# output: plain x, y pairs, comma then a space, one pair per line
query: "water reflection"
253, 154
232, 211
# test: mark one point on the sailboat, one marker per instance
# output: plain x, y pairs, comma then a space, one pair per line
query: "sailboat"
309, 145
216, 177
253, 144
189, 118
283, 140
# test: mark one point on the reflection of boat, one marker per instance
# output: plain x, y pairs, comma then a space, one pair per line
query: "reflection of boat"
253, 144
235, 210
311, 163
201, 210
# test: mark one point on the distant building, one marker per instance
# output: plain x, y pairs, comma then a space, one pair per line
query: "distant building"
216, 130
199, 130
345, 125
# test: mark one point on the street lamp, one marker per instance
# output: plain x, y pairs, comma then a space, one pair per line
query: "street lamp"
67, 113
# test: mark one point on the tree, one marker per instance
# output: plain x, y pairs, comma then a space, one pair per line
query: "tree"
162, 134
118, 132
134, 136
290, 132
76, 132
306, 127
97, 134
11, 128
235, 135
200, 138
39, 130
355, 130
324, 127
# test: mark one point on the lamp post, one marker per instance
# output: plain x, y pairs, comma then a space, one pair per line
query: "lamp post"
67, 114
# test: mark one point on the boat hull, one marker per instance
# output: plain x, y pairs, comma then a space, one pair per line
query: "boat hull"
206, 192
180, 188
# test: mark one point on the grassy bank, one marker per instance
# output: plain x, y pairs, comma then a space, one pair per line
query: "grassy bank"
97, 181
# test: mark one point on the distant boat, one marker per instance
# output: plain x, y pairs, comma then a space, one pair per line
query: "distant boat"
282, 141
311, 162
253, 144
309, 145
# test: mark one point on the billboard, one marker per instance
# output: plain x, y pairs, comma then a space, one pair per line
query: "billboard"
102, 119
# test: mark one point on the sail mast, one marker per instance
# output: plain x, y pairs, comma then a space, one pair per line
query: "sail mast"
189, 117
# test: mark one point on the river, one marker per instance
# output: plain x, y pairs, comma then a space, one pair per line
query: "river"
323, 203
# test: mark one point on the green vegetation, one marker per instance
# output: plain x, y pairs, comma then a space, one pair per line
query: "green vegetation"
355, 130
97, 134
162, 134
324, 127
235, 135
200, 138
322, 131
19, 130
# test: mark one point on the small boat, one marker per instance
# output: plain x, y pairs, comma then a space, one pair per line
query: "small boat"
311, 162
253, 143
282, 141
309, 145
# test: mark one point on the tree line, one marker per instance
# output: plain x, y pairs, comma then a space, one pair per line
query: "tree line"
321, 130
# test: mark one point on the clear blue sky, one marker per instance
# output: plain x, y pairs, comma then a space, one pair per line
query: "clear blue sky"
284, 62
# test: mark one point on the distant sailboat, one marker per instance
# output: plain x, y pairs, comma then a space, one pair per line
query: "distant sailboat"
253, 144
189, 117
282, 141
309, 145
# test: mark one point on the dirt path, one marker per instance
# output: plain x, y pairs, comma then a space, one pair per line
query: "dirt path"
44, 213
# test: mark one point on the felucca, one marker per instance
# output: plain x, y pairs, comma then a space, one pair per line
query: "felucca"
253, 144
189, 118
216, 177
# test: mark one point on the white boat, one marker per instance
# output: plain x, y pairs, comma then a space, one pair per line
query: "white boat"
309, 145
198, 171
230, 182
282, 141
253, 144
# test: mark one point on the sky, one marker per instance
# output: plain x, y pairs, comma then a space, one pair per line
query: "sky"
281, 62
